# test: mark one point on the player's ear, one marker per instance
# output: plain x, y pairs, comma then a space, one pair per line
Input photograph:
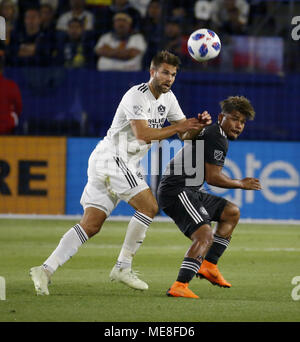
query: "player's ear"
152, 71
221, 117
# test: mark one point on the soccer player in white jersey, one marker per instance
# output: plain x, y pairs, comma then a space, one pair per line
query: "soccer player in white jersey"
114, 175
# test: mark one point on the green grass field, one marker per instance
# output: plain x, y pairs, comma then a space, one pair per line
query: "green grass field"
260, 262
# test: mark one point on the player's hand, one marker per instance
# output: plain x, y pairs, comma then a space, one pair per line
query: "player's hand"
189, 124
250, 183
205, 118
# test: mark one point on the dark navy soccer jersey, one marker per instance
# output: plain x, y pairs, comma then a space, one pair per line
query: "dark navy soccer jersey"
186, 169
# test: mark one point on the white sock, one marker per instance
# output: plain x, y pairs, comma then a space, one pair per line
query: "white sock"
135, 235
66, 248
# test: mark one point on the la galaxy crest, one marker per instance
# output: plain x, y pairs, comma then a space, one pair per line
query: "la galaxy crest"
161, 109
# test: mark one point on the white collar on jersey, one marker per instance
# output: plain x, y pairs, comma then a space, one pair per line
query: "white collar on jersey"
222, 132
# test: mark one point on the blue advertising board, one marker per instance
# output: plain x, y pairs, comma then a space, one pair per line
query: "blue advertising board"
78, 152
276, 164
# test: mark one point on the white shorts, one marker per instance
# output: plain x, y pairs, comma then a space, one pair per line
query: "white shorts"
110, 180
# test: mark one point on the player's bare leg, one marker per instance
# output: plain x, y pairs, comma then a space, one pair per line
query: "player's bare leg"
92, 221
202, 239
89, 225
146, 208
209, 269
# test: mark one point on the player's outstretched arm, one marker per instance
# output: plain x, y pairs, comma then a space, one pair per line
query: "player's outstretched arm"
214, 176
250, 183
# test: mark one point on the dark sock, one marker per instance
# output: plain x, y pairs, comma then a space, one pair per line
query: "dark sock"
217, 249
188, 269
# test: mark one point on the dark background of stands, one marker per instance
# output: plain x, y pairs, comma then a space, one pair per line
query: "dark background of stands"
82, 101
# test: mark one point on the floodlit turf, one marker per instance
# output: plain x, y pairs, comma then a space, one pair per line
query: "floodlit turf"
260, 262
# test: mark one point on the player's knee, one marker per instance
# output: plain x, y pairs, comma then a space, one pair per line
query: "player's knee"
155, 209
91, 228
92, 220
145, 203
232, 212
209, 237
151, 210
235, 213
203, 236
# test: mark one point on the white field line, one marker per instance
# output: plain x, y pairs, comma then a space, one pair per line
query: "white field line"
183, 246
127, 218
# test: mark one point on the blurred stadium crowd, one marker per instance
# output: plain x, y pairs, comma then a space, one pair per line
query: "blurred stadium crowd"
52, 59
124, 34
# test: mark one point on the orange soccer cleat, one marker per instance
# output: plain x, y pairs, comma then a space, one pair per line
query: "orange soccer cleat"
179, 289
211, 272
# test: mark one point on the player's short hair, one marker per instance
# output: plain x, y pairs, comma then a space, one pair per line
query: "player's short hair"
167, 57
240, 104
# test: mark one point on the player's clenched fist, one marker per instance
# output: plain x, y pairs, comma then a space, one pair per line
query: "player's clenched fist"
205, 118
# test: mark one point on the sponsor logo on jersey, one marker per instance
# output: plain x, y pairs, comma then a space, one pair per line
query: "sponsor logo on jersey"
156, 123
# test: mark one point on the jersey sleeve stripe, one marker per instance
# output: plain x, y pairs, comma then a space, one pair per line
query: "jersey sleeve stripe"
143, 87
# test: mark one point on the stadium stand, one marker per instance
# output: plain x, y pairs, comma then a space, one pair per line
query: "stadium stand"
260, 58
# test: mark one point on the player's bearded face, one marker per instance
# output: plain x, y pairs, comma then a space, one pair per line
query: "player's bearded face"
232, 124
163, 77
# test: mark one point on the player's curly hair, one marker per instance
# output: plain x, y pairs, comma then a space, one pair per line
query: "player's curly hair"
240, 104
167, 57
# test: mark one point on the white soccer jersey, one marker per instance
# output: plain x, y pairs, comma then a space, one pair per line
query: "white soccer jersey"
113, 172
138, 103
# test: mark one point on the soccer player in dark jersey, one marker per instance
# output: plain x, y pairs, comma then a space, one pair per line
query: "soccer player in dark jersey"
192, 209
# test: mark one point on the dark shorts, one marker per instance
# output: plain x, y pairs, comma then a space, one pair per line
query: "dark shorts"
190, 209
